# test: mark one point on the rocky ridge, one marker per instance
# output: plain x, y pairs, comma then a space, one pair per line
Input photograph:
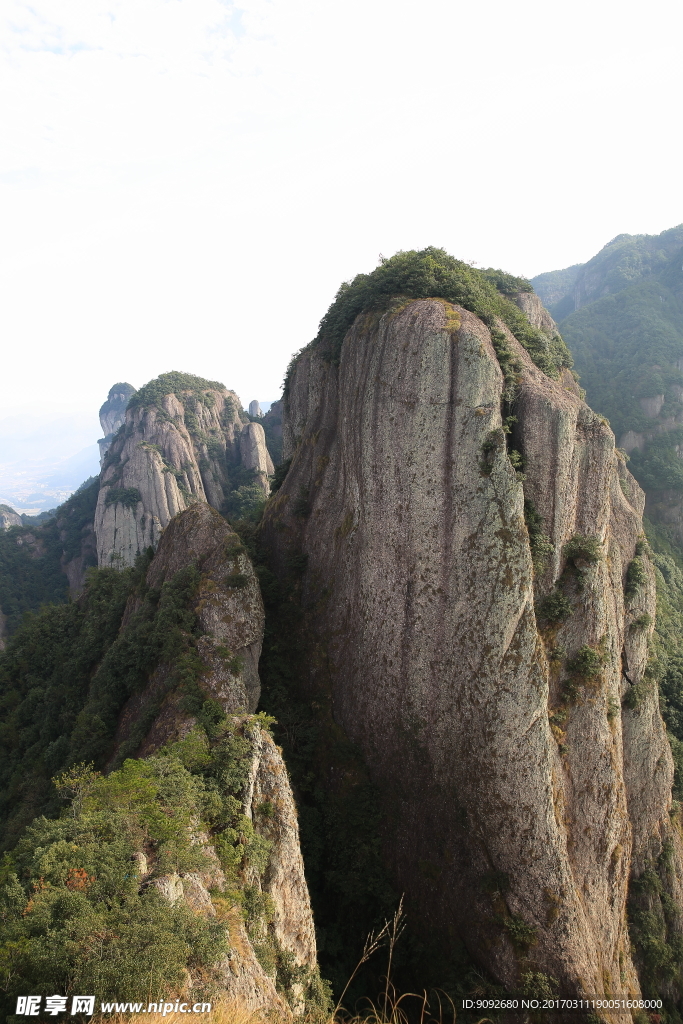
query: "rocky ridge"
113, 414
8, 517
230, 624
182, 440
520, 754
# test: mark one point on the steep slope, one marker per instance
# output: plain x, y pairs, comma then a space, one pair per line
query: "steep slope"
47, 563
113, 414
184, 440
622, 316
8, 517
161, 663
518, 748
624, 261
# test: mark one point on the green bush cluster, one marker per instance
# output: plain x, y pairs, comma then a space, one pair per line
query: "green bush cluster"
583, 549
432, 273
556, 607
581, 553
129, 497
521, 934
73, 913
541, 546
67, 672
636, 577
278, 477
587, 663
244, 503
174, 383
652, 915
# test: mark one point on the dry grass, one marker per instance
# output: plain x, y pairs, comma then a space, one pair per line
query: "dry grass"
408, 1008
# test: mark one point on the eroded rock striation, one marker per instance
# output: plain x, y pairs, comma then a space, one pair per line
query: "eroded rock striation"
254, 455
483, 635
113, 414
182, 439
230, 623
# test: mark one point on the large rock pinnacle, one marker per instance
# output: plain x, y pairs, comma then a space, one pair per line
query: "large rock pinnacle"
512, 778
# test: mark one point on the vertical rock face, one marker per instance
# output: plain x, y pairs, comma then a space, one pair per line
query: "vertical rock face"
230, 623
8, 517
255, 409
254, 454
181, 436
113, 414
520, 792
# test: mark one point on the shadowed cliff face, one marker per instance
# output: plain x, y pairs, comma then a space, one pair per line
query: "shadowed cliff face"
519, 793
168, 455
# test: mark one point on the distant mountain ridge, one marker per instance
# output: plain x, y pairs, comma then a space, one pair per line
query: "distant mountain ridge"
624, 261
621, 314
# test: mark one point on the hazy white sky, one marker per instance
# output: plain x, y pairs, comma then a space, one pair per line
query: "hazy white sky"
185, 183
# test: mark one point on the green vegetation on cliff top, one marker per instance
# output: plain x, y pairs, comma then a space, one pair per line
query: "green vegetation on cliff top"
173, 383
432, 273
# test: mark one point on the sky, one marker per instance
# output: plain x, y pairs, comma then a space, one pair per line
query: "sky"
184, 184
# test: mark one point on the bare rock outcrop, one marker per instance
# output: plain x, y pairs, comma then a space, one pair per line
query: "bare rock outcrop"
230, 617
270, 804
520, 755
230, 621
113, 414
254, 454
8, 517
180, 438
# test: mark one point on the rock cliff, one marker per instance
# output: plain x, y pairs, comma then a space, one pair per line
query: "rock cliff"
113, 414
230, 625
254, 455
477, 602
184, 440
8, 517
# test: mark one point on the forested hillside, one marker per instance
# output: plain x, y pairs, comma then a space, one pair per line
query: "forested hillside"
622, 316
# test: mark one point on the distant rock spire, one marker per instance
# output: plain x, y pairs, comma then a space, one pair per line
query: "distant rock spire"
113, 414
255, 409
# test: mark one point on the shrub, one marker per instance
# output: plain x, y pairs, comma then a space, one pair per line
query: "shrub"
74, 916
583, 549
245, 503
521, 934
643, 621
570, 691
636, 577
556, 607
432, 273
173, 383
541, 545
635, 695
587, 663
126, 496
